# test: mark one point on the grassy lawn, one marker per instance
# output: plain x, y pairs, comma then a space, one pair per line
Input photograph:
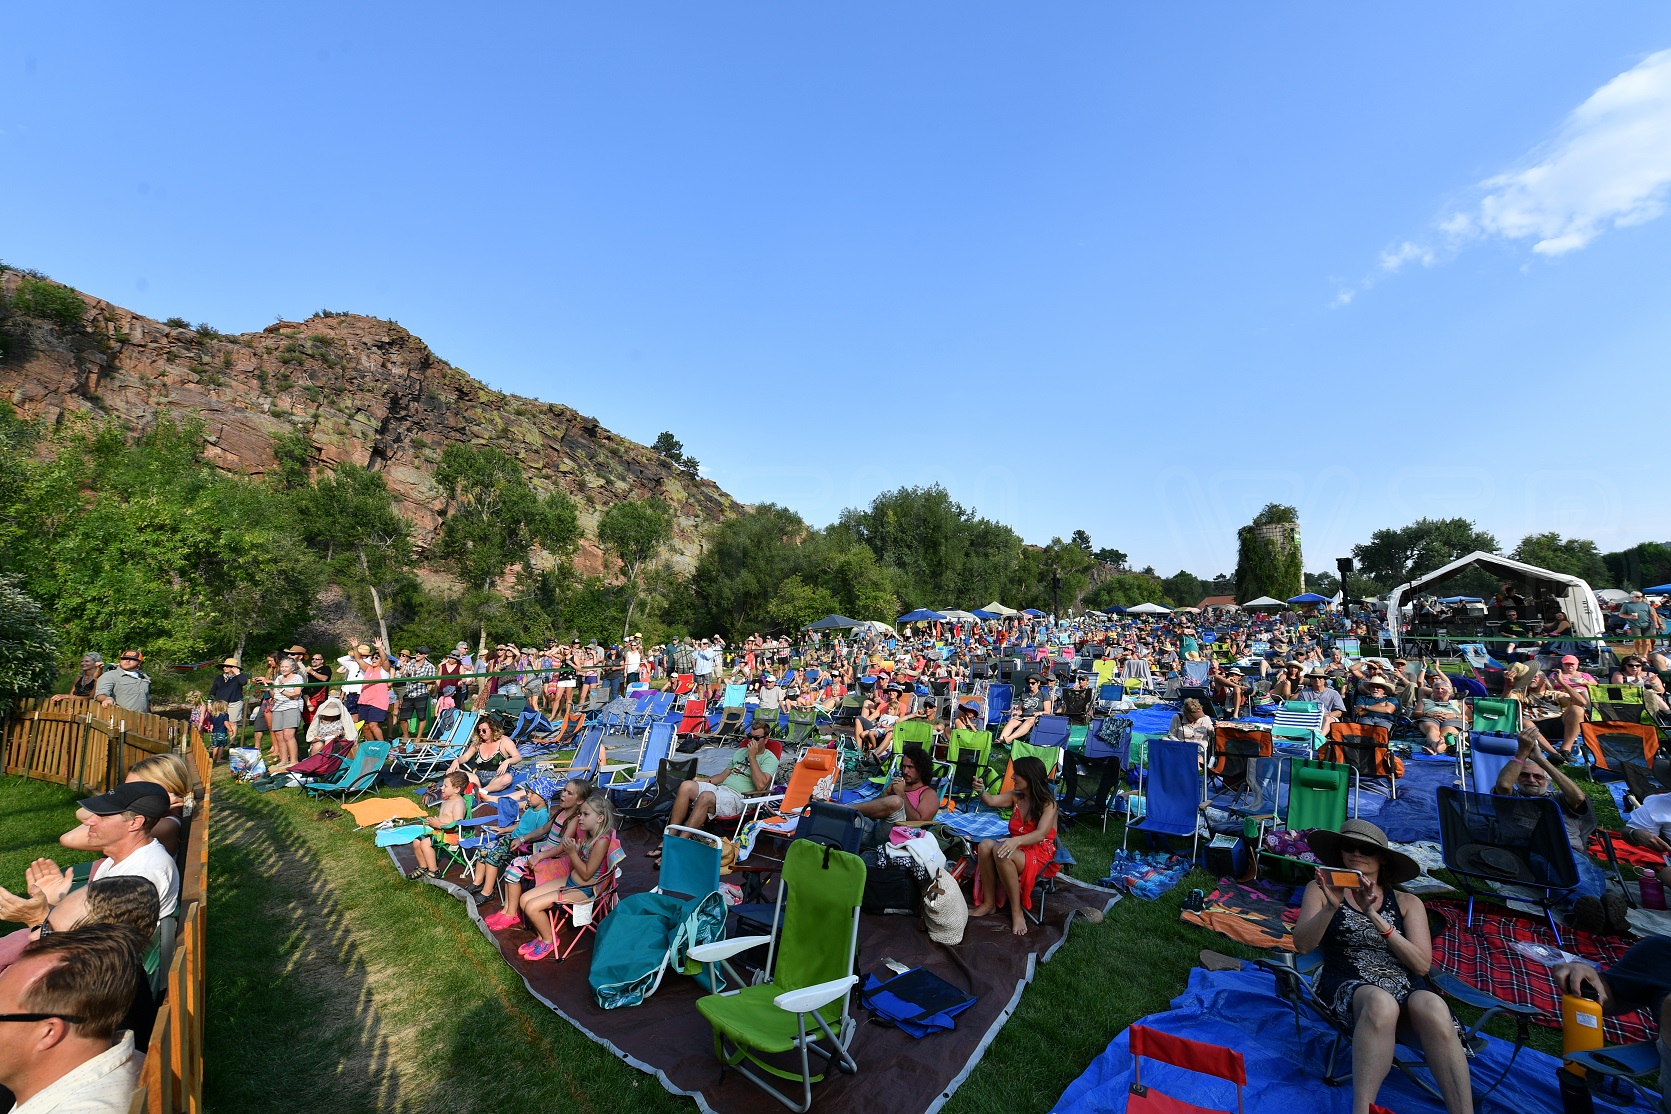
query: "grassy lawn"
33, 814
352, 990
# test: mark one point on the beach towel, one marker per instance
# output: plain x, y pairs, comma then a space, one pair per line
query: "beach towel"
1249, 915
368, 814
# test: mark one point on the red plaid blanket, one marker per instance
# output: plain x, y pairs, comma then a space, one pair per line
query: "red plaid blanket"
1483, 958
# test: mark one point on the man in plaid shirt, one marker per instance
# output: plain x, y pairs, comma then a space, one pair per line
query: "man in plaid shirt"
414, 696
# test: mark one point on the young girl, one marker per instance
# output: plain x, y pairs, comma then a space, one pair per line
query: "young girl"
1029, 853
220, 735
455, 806
544, 863
584, 862
535, 819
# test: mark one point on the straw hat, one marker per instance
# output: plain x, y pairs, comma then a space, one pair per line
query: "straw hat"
1378, 680
331, 707
1396, 866
233, 662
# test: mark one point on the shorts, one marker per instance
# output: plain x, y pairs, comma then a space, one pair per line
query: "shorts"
591, 678
568, 684
501, 853
728, 803
287, 720
704, 678
371, 713
234, 712
351, 701
415, 707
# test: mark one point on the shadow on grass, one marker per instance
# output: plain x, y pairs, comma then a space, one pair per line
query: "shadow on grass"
284, 969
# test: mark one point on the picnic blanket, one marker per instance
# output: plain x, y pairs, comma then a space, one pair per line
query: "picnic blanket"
1238, 1009
1414, 816
1625, 852
370, 813
667, 1038
1484, 957
1258, 916
974, 826
1146, 874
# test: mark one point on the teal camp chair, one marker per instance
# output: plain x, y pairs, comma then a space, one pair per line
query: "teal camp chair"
810, 968
357, 778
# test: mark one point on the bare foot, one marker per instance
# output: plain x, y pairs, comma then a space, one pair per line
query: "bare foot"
1018, 924
984, 909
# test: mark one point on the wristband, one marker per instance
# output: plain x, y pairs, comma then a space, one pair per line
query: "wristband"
1390, 930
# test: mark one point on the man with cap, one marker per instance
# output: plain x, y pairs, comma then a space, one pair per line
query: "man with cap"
1327, 698
414, 696
229, 686
126, 686
1377, 952
1644, 623
118, 823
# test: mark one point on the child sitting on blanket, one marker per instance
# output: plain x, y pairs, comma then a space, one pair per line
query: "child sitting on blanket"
585, 862
534, 822
543, 863
455, 806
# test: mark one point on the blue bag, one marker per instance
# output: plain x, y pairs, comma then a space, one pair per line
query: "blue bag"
918, 1002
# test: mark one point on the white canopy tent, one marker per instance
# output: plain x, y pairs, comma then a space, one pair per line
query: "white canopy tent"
1612, 595
1148, 609
1575, 597
999, 609
954, 614
1263, 601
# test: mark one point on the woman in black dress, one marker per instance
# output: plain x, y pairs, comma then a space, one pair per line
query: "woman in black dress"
1376, 954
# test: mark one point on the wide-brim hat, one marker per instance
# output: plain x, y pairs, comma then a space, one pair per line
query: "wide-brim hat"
233, 662
1396, 866
332, 707
1489, 861
1383, 682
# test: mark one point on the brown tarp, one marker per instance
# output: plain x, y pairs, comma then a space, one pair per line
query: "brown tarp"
897, 1074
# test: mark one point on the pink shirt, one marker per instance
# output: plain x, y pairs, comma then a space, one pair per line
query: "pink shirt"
376, 696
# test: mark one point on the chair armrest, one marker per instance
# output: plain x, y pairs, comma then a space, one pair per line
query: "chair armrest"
725, 949
814, 997
1454, 987
476, 821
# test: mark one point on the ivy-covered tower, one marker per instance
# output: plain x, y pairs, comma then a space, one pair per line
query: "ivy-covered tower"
1268, 558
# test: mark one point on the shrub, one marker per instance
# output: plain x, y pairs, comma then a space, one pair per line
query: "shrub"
50, 302
177, 323
28, 646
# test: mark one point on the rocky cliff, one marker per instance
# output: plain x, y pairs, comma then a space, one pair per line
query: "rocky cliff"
361, 389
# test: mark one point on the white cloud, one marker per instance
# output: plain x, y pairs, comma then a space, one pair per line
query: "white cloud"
1344, 298
1609, 166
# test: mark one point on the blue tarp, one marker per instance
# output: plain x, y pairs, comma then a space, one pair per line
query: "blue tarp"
985, 615
1238, 1010
1460, 599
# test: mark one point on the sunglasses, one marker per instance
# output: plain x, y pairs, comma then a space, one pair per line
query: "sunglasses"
68, 1019
1359, 848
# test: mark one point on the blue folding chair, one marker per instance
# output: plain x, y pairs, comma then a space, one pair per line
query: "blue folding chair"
1173, 785
658, 742
1487, 755
998, 700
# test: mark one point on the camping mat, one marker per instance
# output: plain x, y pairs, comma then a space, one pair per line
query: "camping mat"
975, 826
897, 1074
1146, 874
1619, 790
1238, 1010
1483, 958
1258, 916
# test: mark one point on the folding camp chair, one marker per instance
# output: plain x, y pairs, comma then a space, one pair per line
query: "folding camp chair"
1317, 794
583, 916
998, 700
1619, 703
1172, 784
654, 803
588, 761
1180, 1052
735, 696
1049, 732
1499, 838
1613, 747
1296, 983
693, 720
1088, 785
803, 727
1300, 721
1363, 747
810, 967
658, 743
429, 760
848, 710
1233, 762
653, 708
683, 683
816, 764
731, 721
1487, 755
1496, 717
1109, 695
358, 777
1050, 756
969, 753
1635, 1063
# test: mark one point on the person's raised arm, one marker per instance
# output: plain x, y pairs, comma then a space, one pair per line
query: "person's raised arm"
1530, 741
1317, 909
1570, 793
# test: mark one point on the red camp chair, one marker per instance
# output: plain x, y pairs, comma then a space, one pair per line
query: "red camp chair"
694, 721
683, 683
1180, 1052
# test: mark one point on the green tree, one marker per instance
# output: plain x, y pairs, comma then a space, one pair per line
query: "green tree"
796, 604
1111, 557
746, 560
1124, 590
1082, 540
1643, 565
1394, 557
493, 520
1268, 563
352, 523
1184, 589
1574, 556
49, 301
28, 647
634, 532
944, 554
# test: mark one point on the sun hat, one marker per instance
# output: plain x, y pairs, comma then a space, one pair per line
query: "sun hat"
1377, 680
331, 707
233, 662
545, 788
1396, 866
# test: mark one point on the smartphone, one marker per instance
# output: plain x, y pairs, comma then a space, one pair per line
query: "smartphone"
1342, 879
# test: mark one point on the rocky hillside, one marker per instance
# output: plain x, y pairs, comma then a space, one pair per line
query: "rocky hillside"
362, 389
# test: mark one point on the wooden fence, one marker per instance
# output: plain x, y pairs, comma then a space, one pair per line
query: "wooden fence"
86, 745
90, 747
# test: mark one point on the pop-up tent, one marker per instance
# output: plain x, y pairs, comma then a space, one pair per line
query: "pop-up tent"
953, 613
1263, 602
832, 622
984, 615
1034, 612
999, 609
1309, 597
1576, 600
1148, 609
921, 615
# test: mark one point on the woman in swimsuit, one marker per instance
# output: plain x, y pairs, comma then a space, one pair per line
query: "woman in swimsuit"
488, 752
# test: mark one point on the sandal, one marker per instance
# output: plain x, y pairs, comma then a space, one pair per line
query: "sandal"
535, 950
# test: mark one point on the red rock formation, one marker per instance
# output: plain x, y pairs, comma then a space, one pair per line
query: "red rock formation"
361, 389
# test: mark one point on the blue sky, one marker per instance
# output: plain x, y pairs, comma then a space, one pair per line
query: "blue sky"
1131, 269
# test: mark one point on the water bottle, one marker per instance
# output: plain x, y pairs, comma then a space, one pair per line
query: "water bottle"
1653, 891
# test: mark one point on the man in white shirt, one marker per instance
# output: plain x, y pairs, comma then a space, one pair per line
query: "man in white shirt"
118, 823
1650, 827
60, 1005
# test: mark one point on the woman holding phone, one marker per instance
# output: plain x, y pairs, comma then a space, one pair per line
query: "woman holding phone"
1376, 955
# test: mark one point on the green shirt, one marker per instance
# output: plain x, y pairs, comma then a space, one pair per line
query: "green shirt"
739, 778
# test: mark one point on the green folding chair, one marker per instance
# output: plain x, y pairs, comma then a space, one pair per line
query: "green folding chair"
1317, 794
1497, 717
810, 963
906, 732
969, 753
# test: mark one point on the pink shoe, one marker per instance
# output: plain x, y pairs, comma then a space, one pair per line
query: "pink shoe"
500, 921
535, 950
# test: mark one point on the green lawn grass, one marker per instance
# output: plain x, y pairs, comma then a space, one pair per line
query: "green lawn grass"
345, 987
33, 814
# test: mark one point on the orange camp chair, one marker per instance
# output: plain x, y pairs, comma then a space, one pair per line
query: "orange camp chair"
815, 765
1180, 1052
1363, 746
1613, 746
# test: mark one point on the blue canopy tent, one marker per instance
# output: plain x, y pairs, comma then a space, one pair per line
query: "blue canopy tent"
1033, 612
1115, 610
832, 622
1659, 589
921, 615
1309, 597
1460, 599
985, 616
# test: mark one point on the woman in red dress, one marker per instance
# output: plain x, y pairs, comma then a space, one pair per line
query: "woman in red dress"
1007, 869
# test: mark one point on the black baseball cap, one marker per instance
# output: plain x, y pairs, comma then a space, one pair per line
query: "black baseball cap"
138, 797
